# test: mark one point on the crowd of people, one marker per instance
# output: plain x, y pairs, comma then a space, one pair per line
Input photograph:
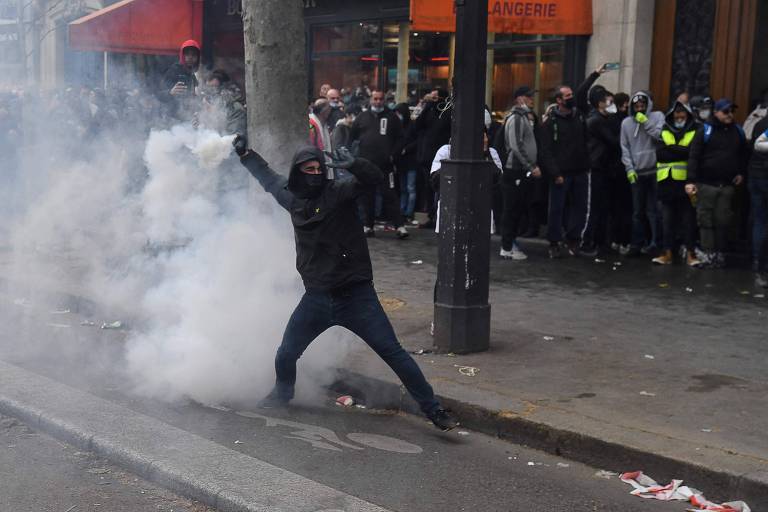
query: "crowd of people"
598, 172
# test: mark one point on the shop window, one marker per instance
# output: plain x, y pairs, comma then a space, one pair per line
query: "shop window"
539, 66
346, 37
346, 71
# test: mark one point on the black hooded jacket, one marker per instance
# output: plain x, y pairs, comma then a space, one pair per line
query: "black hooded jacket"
604, 142
331, 249
720, 159
669, 189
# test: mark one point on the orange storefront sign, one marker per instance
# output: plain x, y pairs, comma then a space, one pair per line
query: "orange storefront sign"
562, 17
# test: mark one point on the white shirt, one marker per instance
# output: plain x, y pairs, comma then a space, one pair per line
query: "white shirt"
444, 153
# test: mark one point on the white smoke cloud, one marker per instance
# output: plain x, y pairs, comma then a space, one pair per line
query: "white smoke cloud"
203, 265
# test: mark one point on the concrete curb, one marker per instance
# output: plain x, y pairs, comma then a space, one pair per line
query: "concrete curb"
717, 484
183, 462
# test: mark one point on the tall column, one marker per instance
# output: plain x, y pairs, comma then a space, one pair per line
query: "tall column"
276, 78
462, 312
451, 58
403, 56
490, 57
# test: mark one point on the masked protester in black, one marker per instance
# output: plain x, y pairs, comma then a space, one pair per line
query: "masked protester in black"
333, 261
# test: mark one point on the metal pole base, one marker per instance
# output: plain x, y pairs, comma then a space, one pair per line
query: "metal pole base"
462, 329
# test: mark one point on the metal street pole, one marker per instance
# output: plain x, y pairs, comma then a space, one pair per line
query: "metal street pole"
462, 311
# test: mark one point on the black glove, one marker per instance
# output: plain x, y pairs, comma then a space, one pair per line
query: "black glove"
241, 145
342, 159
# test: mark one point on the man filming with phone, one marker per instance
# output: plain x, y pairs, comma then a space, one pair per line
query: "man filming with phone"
179, 83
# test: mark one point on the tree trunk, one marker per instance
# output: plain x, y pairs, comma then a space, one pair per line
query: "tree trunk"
276, 78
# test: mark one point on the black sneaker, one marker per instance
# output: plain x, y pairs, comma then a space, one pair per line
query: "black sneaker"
443, 420
273, 401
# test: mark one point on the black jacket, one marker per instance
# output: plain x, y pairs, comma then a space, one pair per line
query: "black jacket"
379, 135
432, 129
564, 137
719, 160
405, 153
758, 164
604, 141
331, 249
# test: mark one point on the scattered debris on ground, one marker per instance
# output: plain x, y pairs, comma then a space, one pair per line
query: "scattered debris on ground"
345, 401
112, 326
467, 371
646, 487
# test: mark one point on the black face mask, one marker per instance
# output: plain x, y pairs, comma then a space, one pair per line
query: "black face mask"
570, 103
314, 181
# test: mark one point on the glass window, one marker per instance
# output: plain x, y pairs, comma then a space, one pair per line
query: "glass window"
346, 71
350, 36
539, 67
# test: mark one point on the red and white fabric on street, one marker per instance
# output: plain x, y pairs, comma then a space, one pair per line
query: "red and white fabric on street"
647, 487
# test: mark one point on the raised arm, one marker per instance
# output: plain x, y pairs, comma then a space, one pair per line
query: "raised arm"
274, 183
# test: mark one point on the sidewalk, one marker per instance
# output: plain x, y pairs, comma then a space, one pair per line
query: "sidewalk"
641, 367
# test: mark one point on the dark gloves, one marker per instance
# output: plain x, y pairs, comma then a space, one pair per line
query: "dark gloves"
241, 145
342, 159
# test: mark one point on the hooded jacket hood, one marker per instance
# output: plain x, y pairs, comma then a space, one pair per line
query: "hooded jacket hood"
670, 118
648, 101
189, 43
295, 183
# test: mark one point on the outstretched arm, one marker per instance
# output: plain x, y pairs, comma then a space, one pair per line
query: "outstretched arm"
272, 182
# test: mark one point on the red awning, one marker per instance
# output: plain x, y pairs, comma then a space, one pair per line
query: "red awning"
139, 26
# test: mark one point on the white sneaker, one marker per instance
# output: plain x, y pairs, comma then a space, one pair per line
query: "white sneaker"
514, 254
402, 232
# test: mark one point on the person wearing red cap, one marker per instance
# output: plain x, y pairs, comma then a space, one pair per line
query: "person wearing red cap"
179, 83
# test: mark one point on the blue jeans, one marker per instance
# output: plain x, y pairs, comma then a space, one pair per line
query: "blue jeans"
758, 192
357, 308
644, 207
408, 192
571, 198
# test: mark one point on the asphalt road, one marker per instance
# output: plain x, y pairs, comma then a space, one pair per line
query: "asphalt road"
41, 474
398, 462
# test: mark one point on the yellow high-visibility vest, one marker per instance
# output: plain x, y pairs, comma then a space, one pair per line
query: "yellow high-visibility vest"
678, 170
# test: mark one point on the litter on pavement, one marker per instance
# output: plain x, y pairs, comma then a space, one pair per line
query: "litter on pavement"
61, 312
114, 325
689, 289
421, 351
646, 393
238, 442
706, 430
607, 475
563, 465
467, 371
549, 338
345, 401
416, 262
649, 356
647, 487
463, 433
88, 323
663, 285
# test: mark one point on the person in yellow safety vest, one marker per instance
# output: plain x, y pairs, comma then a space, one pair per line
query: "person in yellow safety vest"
678, 213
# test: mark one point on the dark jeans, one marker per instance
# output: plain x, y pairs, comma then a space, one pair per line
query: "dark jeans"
621, 207
758, 192
516, 189
679, 219
714, 213
596, 231
357, 308
573, 195
644, 207
390, 202
408, 192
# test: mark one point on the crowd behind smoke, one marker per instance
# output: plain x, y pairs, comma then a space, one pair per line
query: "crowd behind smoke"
106, 196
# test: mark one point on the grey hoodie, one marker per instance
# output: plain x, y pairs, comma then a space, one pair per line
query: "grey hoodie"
520, 140
638, 141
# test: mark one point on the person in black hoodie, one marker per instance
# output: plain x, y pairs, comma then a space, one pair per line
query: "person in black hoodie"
565, 158
379, 132
179, 83
432, 130
406, 164
672, 154
717, 163
603, 128
333, 261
